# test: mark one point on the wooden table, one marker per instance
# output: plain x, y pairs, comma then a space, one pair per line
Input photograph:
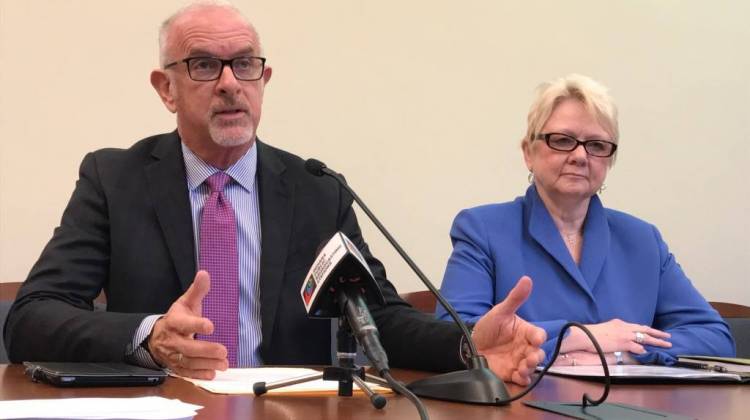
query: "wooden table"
695, 400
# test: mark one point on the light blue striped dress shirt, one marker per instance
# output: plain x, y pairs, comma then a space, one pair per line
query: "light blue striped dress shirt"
242, 193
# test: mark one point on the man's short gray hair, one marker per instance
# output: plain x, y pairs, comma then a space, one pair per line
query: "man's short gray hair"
166, 26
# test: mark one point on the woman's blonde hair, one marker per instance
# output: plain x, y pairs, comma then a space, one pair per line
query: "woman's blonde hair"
591, 93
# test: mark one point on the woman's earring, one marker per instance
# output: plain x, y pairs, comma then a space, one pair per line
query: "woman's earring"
602, 188
530, 178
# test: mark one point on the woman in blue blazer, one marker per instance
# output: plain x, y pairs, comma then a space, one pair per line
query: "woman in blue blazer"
601, 267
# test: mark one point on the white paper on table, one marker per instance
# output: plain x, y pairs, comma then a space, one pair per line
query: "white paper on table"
146, 408
241, 380
642, 371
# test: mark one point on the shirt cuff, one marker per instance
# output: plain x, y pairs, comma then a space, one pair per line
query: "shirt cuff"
140, 355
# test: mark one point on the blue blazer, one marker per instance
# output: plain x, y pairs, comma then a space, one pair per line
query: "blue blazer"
626, 271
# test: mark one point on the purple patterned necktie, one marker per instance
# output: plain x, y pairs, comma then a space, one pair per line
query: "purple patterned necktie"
218, 255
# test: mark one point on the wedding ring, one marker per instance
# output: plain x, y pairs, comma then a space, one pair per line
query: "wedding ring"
179, 358
639, 337
573, 361
618, 358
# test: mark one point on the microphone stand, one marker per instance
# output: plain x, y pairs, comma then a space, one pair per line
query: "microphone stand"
346, 373
476, 385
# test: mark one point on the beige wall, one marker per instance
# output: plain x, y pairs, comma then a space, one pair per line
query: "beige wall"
419, 103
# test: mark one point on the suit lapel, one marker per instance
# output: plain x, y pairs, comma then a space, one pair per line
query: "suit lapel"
168, 191
596, 238
545, 233
276, 210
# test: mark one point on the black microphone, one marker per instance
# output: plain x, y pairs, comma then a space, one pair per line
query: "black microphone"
363, 327
339, 284
477, 385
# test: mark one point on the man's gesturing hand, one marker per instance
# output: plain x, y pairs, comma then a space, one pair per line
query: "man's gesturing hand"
510, 344
172, 343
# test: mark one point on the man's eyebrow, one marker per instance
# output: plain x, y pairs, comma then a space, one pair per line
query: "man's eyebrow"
246, 51
198, 52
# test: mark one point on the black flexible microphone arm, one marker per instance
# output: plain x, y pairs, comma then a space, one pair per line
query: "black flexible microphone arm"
319, 168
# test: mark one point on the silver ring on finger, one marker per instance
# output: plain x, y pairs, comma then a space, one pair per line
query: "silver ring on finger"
639, 336
178, 358
573, 361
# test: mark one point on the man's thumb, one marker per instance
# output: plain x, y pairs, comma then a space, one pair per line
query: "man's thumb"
517, 296
194, 295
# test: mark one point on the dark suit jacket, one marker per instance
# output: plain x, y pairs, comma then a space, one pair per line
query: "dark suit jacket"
127, 230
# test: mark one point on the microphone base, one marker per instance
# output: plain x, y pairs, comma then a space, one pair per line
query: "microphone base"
475, 386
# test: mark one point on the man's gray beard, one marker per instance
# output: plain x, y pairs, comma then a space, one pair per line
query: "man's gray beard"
221, 137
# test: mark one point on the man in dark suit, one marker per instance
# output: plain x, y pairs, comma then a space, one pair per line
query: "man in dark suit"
131, 226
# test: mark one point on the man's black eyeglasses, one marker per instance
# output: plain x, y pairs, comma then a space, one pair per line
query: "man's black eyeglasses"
204, 69
565, 143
